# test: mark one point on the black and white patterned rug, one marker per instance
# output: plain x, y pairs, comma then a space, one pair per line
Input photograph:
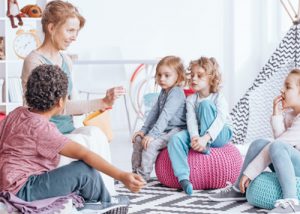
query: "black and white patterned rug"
155, 198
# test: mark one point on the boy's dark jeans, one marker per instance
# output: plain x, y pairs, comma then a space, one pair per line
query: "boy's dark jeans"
75, 177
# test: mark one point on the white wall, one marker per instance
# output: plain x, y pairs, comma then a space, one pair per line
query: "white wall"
150, 29
241, 35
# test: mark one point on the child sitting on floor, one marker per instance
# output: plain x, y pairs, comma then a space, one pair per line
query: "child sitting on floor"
30, 149
207, 119
166, 117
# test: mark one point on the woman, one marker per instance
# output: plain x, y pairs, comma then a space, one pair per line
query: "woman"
61, 23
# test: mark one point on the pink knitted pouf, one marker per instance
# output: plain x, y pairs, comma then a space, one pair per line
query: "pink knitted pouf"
207, 171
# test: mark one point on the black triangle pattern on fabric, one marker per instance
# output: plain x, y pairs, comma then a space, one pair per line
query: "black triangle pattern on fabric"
156, 198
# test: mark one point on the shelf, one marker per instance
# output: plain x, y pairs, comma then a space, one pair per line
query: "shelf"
12, 106
17, 104
23, 18
11, 66
29, 18
12, 61
14, 103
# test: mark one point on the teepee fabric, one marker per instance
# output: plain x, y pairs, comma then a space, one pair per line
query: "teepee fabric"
251, 115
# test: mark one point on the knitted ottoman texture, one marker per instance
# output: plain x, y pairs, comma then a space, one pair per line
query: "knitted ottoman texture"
265, 189
206, 171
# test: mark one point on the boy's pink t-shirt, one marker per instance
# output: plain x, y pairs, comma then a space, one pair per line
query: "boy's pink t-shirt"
29, 145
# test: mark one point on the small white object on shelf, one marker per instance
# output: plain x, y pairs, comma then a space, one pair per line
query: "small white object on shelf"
25, 42
1, 90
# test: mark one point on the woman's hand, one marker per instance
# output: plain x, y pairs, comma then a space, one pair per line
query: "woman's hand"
112, 94
277, 108
244, 183
132, 181
138, 134
146, 141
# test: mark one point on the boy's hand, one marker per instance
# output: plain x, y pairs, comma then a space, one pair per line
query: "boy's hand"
139, 133
133, 182
195, 144
199, 143
277, 109
244, 183
146, 141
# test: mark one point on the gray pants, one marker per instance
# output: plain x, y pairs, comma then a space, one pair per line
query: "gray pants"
143, 160
75, 177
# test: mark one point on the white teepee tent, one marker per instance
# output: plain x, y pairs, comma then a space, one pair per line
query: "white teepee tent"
251, 115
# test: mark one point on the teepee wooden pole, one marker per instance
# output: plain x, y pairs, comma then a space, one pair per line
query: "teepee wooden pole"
292, 7
298, 15
286, 9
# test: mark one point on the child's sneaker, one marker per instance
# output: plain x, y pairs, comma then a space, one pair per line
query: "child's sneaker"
186, 186
118, 205
288, 205
229, 193
145, 176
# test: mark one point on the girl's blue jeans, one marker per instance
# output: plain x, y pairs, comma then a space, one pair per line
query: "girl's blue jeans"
179, 144
285, 161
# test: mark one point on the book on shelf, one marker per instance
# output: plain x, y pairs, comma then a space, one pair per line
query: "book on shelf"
15, 91
1, 90
2, 48
2, 115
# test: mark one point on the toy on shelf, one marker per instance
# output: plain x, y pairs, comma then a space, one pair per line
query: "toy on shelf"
2, 48
31, 10
14, 11
2, 116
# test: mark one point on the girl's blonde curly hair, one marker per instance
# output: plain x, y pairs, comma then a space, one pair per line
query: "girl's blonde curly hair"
211, 68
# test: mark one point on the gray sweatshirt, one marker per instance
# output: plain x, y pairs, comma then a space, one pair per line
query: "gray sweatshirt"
167, 113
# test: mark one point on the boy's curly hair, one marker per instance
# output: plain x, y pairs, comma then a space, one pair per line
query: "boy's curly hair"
211, 68
45, 86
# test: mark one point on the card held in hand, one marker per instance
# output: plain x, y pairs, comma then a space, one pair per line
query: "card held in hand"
100, 119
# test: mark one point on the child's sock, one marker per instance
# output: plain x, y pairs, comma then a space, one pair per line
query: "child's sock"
186, 186
206, 151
